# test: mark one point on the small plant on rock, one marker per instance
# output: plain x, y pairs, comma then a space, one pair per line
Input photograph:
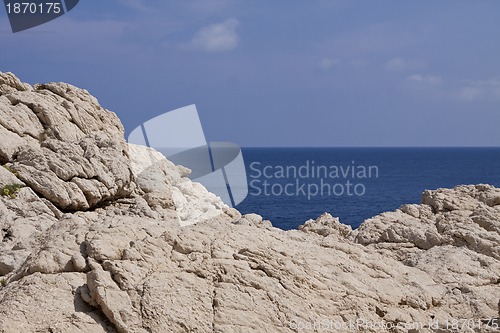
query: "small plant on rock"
10, 190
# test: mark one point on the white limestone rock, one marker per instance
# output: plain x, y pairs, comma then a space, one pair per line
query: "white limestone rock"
166, 255
165, 186
459, 217
326, 225
146, 276
252, 220
63, 144
461, 198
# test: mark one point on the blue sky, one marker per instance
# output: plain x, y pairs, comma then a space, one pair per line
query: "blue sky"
282, 73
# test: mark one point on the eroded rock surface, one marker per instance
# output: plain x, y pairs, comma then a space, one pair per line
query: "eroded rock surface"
165, 185
62, 153
63, 144
466, 216
141, 248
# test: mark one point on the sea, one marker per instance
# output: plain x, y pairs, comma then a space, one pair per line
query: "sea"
289, 186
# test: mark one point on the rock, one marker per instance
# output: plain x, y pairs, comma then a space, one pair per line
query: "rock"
22, 216
63, 144
10, 83
326, 225
49, 297
252, 219
458, 216
220, 276
165, 186
114, 302
8, 177
159, 253
10, 259
461, 198
399, 227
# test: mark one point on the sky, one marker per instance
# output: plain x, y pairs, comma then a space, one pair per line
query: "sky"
299, 73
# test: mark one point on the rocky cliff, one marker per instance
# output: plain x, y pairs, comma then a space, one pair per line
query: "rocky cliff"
101, 236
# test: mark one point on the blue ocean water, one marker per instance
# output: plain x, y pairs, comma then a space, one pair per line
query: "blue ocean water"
291, 185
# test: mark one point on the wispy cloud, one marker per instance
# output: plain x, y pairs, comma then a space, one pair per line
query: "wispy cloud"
398, 64
217, 37
327, 63
369, 40
470, 94
425, 80
477, 90
359, 62
395, 64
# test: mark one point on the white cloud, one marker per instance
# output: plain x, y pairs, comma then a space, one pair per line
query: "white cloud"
327, 63
425, 80
488, 89
217, 37
496, 92
358, 62
470, 93
398, 64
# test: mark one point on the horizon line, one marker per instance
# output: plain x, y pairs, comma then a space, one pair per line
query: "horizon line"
365, 147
